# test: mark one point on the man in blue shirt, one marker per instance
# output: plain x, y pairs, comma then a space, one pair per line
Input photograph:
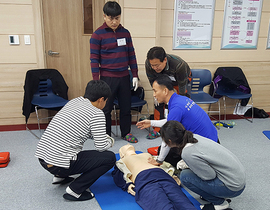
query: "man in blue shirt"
159, 62
181, 109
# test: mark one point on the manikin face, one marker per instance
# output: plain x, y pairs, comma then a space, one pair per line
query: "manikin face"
157, 65
112, 22
159, 92
124, 150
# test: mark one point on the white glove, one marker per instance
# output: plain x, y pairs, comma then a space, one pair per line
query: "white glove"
131, 189
135, 82
181, 165
156, 102
111, 140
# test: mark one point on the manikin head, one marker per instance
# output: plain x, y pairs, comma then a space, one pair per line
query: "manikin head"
126, 150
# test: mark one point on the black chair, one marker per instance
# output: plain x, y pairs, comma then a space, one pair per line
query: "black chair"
231, 82
43, 89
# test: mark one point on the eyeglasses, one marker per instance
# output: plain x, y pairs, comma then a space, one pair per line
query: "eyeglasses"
156, 65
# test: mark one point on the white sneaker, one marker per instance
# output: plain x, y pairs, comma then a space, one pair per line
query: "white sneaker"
222, 206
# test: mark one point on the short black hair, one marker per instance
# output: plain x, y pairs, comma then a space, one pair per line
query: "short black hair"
156, 52
164, 80
112, 8
96, 89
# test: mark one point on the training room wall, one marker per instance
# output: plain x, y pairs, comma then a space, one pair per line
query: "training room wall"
150, 23
17, 18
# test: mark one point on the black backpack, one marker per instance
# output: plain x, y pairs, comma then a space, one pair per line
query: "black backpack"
257, 113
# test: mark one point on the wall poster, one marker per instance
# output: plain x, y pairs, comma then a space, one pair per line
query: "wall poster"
241, 24
193, 24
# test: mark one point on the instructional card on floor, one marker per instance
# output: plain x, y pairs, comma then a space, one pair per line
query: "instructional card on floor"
241, 24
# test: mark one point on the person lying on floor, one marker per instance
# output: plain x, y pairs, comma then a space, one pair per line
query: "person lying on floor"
209, 169
152, 187
182, 109
59, 150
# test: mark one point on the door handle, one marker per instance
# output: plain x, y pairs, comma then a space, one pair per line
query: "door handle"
51, 53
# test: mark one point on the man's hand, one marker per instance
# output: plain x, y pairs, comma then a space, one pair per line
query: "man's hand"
111, 140
135, 83
153, 161
144, 124
131, 189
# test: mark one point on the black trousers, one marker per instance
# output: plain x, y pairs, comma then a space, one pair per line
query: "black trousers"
91, 164
120, 87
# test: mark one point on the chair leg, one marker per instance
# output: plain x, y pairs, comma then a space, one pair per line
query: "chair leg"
115, 119
148, 115
36, 110
139, 113
31, 132
210, 116
237, 105
252, 109
209, 108
218, 111
224, 103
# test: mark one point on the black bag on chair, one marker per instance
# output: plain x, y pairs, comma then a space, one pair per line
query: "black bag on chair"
257, 113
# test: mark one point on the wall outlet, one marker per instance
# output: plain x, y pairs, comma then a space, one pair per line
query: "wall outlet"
14, 40
27, 39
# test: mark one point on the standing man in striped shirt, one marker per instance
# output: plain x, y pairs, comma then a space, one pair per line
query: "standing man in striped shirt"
60, 148
112, 53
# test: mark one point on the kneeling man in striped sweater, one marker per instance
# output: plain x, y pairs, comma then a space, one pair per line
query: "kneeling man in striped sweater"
60, 152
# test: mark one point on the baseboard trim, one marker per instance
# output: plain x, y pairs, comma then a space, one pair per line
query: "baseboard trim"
21, 127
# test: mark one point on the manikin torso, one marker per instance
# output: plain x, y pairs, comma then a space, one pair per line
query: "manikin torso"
137, 163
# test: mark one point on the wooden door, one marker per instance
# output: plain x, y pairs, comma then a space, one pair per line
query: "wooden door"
64, 37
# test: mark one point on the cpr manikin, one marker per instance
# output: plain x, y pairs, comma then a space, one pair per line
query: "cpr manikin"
152, 187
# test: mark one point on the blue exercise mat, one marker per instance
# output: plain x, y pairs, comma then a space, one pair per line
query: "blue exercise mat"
267, 134
111, 197
192, 199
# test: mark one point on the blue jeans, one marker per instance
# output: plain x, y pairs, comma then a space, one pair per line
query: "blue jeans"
213, 190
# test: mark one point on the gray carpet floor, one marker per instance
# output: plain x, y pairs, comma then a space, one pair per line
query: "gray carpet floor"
24, 184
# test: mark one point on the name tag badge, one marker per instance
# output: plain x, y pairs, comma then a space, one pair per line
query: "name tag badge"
121, 42
172, 78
